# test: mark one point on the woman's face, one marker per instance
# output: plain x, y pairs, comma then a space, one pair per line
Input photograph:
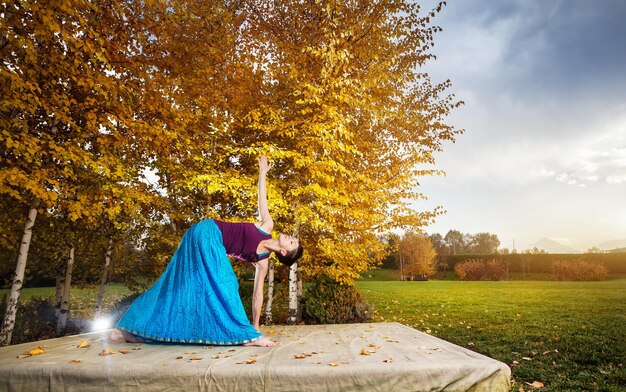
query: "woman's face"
288, 243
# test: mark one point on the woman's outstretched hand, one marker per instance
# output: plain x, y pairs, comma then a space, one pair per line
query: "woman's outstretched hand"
264, 166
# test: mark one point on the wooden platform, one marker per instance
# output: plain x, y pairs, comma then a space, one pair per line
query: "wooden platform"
347, 357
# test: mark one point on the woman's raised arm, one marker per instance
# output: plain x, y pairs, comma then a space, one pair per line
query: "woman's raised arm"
266, 219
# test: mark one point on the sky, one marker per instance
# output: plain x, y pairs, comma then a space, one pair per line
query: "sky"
544, 148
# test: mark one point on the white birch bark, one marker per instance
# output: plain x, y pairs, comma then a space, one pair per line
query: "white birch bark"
105, 274
65, 302
299, 292
9, 317
270, 294
293, 294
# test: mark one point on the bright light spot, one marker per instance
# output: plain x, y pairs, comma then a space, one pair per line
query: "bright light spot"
101, 323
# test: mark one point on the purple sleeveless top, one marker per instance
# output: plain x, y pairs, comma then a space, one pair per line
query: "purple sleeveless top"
242, 239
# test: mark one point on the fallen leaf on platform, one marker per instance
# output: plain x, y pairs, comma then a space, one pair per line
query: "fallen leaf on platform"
392, 341
75, 361
215, 357
136, 348
179, 357
207, 347
36, 351
195, 359
317, 363
535, 384
250, 361
299, 356
123, 351
231, 350
83, 344
333, 364
253, 355
108, 351
271, 331
190, 352
365, 352
388, 360
372, 345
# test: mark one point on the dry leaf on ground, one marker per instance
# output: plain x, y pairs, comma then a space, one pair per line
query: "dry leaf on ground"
108, 351
75, 361
83, 344
535, 384
35, 351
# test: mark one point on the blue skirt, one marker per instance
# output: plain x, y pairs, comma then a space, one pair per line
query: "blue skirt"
196, 299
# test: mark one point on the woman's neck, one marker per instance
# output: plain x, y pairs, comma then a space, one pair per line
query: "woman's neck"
270, 245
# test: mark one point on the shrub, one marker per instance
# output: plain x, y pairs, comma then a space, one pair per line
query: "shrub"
481, 270
328, 302
579, 270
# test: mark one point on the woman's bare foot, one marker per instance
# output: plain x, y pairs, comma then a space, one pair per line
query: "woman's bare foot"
123, 336
263, 342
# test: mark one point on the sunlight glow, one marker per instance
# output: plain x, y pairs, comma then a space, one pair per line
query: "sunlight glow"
101, 323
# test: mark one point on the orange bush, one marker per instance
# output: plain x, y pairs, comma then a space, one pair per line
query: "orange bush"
481, 270
579, 270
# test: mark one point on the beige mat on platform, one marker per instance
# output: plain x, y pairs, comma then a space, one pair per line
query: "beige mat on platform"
347, 357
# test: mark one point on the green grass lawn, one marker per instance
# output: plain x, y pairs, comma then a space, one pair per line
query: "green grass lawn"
571, 336
82, 300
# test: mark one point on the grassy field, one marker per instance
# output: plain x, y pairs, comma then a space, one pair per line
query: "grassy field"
571, 336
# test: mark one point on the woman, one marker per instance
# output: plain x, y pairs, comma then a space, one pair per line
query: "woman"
196, 299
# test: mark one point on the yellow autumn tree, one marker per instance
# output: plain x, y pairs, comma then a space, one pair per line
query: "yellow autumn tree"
71, 143
348, 118
416, 256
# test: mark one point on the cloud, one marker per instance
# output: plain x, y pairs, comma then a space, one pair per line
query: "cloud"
616, 179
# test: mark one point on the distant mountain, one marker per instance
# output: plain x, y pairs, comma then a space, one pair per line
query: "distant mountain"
551, 246
613, 244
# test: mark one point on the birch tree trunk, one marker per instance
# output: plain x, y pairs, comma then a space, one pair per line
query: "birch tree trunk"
270, 294
65, 302
105, 273
9, 317
293, 294
299, 292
